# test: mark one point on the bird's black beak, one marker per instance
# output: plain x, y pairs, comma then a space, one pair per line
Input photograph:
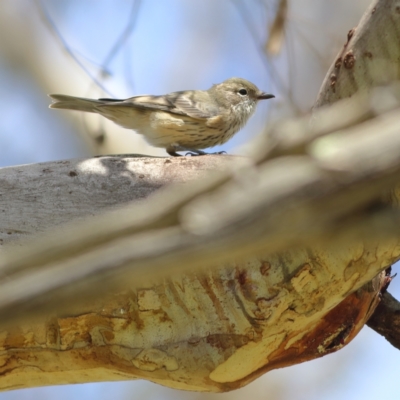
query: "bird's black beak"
265, 96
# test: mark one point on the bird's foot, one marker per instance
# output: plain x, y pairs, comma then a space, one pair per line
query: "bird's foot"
202, 153
172, 151
194, 153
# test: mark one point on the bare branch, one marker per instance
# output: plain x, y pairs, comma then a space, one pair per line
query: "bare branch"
386, 319
285, 251
332, 193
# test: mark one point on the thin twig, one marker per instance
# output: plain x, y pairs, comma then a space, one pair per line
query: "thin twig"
49, 22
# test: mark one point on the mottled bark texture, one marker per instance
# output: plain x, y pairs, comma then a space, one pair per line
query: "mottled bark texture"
370, 57
280, 257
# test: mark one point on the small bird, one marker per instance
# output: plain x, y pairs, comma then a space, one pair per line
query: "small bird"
188, 120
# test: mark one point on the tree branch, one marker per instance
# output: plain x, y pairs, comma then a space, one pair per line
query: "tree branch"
319, 198
279, 258
386, 319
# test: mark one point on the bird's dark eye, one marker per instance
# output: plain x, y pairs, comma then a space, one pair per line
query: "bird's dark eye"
243, 92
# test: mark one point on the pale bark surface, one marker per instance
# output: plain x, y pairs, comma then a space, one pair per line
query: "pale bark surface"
40, 196
314, 206
370, 57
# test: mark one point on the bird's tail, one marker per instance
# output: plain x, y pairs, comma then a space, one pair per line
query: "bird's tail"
74, 103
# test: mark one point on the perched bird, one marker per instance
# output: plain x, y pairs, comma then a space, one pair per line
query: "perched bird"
188, 120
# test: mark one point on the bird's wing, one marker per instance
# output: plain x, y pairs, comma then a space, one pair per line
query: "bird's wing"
184, 103
180, 103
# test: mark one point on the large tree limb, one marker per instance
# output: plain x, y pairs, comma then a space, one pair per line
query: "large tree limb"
293, 238
289, 203
370, 57
288, 292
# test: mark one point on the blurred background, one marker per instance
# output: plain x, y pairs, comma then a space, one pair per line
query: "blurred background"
121, 48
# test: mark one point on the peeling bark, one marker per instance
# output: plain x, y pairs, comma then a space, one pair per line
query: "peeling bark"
290, 248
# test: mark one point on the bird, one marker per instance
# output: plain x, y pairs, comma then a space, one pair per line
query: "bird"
189, 120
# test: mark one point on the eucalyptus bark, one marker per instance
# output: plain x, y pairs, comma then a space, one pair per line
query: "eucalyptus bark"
280, 257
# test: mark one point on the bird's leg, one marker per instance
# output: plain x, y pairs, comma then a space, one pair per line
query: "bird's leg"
194, 152
202, 153
172, 151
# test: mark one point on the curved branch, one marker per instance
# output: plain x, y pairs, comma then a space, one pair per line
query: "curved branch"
386, 319
280, 257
